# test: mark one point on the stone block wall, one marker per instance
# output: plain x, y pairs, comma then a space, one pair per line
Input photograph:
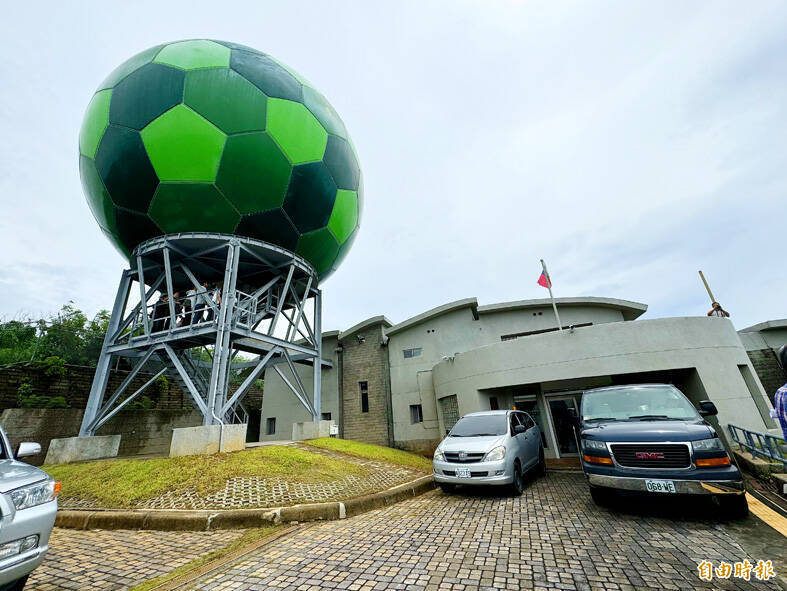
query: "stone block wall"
771, 374
75, 387
364, 360
143, 432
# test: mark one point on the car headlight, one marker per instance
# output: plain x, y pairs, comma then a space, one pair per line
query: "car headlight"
593, 445
713, 444
496, 454
35, 494
438, 455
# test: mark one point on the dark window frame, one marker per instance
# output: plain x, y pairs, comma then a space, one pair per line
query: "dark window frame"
416, 414
364, 392
270, 422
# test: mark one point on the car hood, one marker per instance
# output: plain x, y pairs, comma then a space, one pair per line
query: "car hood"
471, 444
14, 474
648, 431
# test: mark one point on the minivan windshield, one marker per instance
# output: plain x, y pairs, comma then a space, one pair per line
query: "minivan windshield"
479, 425
637, 403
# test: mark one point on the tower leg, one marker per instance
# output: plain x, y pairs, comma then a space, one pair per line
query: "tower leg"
105, 359
318, 359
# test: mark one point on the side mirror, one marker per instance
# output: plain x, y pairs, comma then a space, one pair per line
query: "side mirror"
28, 448
519, 429
708, 409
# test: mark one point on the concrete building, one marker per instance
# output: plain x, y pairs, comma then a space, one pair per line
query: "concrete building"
406, 384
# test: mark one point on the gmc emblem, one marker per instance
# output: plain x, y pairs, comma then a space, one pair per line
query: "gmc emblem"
649, 455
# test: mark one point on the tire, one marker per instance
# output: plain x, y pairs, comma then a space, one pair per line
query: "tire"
17, 585
600, 496
518, 484
734, 507
447, 487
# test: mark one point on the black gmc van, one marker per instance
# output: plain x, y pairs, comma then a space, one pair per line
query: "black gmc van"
650, 439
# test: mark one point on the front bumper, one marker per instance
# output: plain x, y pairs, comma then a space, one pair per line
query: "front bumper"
684, 487
495, 473
19, 524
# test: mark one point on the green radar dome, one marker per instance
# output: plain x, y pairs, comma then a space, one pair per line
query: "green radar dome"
210, 136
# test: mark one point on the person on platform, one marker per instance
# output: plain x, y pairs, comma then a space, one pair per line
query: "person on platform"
779, 411
717, 310
201, 304
161, 314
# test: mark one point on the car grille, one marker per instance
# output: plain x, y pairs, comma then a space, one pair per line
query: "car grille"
675, 455
452, 456
472, 474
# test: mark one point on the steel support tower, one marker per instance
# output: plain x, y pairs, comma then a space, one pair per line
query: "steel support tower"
249, 297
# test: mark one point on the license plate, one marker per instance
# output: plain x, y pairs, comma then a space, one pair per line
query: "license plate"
660, 486
463, 472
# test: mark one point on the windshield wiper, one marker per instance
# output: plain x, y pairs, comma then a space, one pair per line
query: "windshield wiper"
652, 417
601, 419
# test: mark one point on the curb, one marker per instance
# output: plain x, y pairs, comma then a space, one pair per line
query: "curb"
238, 518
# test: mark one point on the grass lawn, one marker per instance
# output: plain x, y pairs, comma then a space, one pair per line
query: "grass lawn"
374, 452
124, 483
247, 539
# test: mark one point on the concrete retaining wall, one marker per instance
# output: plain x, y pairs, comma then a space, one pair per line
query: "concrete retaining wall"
192, 441
81, 449
311, 430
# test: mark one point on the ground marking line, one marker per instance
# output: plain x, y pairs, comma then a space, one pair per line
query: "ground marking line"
767, 515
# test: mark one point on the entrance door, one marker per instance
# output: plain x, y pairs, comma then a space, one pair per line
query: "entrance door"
564, 429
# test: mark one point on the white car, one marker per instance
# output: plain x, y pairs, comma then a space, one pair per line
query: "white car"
28, 504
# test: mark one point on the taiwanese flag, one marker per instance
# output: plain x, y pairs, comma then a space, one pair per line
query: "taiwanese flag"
544, 281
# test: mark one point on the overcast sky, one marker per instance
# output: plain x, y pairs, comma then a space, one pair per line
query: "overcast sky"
627, 143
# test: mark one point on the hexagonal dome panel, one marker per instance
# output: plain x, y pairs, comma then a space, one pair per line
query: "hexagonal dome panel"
145, 94
296, 130
193, 208
254, 174
226, 99
124, 166
205, 135
183, 146
194, 54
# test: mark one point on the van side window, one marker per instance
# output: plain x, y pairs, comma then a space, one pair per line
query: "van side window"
528, 421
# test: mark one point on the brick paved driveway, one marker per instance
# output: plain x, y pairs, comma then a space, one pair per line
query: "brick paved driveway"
109, 560
551, 537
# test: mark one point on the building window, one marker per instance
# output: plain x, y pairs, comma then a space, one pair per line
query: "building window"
416, 413
408, 353
364, 386
493, 404
270, 426
326, 416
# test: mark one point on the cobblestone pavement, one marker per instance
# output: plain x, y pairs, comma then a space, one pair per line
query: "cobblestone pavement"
108, 560
551, 537
261, 492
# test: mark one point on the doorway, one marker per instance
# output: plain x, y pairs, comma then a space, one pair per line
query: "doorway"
562, 425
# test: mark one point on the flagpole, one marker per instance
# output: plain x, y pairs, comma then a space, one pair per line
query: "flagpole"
549, 287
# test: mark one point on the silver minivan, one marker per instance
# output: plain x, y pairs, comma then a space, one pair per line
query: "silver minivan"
495, 447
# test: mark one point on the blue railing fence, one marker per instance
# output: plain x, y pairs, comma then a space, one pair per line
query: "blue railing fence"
762, 445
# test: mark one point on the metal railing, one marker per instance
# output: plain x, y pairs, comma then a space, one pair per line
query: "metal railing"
760, 444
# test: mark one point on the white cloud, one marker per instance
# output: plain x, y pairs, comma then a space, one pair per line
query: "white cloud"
629, 144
